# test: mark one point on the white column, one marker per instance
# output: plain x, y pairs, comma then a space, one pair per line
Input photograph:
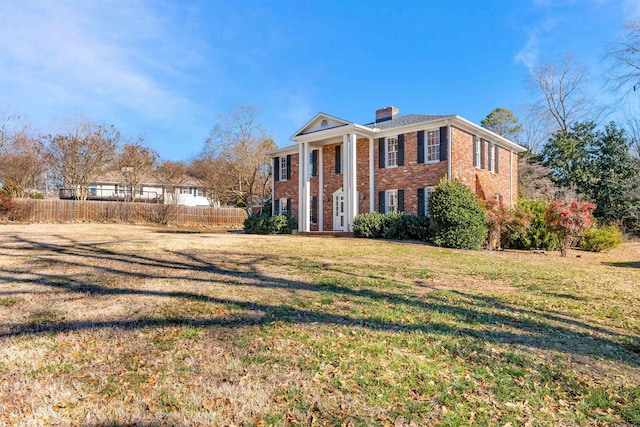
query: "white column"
301, 186
372, 183
305, 209
320, 191
353, 193
345, 178
273, 185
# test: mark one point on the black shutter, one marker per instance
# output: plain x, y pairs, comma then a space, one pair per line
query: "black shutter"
314, 209
381, 161
421, 202
338, 159
276, 168
314, 163
400, 200
497, 156
381, 200
401, 150
420, 146
289, 166
289, 207
475, 151
482, 156
444, 142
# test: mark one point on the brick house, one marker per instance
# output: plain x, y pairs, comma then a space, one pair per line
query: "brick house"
389, 165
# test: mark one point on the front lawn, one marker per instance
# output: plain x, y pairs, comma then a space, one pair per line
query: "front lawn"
124, 325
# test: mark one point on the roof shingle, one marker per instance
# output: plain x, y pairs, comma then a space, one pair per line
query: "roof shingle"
409, 119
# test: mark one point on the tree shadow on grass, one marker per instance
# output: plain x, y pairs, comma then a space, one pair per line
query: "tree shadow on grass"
632, 264
483, 317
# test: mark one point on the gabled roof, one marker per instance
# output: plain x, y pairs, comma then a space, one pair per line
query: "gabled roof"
409, 119
321, 121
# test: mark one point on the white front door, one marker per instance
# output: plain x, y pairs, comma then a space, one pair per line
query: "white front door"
338, 210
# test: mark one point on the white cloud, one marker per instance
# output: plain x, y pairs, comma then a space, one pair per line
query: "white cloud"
528, 55
79, 55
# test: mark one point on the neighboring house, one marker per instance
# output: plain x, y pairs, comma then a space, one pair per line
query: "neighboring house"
110, 186
390, 165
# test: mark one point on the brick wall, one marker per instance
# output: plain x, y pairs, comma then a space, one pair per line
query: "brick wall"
482, 182
289, 188
409, 177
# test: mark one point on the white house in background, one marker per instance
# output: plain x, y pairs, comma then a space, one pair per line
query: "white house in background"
110, 187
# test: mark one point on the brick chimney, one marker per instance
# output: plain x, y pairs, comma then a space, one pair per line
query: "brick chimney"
386, 113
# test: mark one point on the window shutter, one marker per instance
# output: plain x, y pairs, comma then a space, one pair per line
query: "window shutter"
314, 163
381, 150
314, 209
421, 202
381, 201
474, 141
276, 168
444, 142
289, 166
401, 150
497, 156
289, 207
338, 159
482, 155
400, 200
420, 146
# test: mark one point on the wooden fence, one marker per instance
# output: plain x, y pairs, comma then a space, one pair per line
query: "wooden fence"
54, 210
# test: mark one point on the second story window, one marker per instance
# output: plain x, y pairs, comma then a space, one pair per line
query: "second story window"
433, 146
392, 152
283, 168
476, 151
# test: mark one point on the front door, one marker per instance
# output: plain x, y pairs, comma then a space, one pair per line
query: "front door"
338, 210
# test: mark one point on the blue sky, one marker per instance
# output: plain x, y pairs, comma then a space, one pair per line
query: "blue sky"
164, 70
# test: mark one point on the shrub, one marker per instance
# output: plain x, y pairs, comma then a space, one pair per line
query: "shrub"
369, 225
37, 195
505, 224
391, 226
601, 238
267, 224
7, 204
631, 220
569, 221
537, 235
458, 218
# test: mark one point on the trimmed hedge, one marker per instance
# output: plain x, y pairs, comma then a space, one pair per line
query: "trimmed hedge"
458, 218
267, 224
396, 226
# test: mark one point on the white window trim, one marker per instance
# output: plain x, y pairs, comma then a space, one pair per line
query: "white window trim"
492, 158
282, 206
476, 160
283, 168
389, 194
427, 195
387, 140
426, 146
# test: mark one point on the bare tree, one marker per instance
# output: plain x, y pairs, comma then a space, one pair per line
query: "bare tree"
173, 176
10, 125
213, 176
80, 153
21, 167
240, 141
536, 129
135, 163
534, 182
561, 87
623, 55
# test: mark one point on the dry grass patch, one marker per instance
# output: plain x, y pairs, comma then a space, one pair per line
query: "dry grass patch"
126, 325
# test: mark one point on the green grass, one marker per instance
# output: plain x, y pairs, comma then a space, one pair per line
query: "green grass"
289, 330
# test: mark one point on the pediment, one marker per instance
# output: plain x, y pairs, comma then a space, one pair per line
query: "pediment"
321, 122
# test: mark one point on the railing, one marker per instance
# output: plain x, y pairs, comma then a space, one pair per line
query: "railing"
112, 195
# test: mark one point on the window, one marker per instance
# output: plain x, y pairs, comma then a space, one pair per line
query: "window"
283, 168
392, 152
427, 194
476, 151
392, 201
324, 123
199, 192
93, 190
282, 206
433, 146
492, 154
338, 159
185, 190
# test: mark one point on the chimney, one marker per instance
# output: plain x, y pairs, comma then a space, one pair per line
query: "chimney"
386, 113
